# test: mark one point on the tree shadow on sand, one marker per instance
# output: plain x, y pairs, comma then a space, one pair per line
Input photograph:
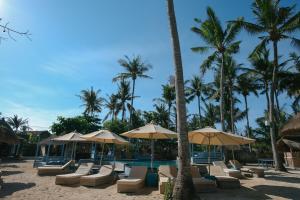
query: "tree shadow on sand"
279, 191
10, 188
286, 179
143, 191
7, 173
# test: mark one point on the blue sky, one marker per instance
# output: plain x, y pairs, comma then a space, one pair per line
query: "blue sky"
76, 45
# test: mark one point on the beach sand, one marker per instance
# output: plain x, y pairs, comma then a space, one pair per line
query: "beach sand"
22, 182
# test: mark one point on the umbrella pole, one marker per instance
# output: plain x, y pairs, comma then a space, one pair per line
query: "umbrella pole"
75, 144
209, 155
102, 154
232, 154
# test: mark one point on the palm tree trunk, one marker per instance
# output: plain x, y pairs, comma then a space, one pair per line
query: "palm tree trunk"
267, 96
231, 110
247, 119
131, 105
169, 115
278, 163
199, 110
222, 94
184, 187
123, 112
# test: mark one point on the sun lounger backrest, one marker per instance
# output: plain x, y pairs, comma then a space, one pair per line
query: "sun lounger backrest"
139, 172
220, 163
119, 166
195, 172
167, 171
106, 170
217, 171
84, 168
67, 164
235, 164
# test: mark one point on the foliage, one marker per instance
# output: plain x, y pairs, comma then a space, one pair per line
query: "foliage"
168, 195
116, 126
82, 124
16, 122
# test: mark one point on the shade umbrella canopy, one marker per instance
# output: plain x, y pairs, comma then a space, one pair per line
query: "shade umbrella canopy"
292, 127
70, 137
105, 136
211, 136
7, 135
150, 131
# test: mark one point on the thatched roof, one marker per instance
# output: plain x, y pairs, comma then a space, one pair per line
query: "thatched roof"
7, 134
292, 127
285, 144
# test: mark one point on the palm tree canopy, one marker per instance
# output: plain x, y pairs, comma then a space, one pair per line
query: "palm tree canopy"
216, 38
196, 88
274, 20
16, 122
134, 68
91, 101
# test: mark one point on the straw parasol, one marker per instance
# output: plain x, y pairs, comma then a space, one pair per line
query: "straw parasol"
151, 132
73, 137
7, 135
292, 127
211, 136
105, 137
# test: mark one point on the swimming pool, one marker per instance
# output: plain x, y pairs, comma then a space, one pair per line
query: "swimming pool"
147, 163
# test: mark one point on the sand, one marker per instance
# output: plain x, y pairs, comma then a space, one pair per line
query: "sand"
21, 182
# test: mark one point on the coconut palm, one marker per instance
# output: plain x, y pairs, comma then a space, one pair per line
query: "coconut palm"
276, 23
16, 122
124, 96
184, 187
111, 103
221, 41
195, 90
168, 98
211, 115
134, 68
92, 101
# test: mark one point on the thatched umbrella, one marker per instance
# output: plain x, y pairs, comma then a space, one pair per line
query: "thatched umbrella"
292, 127
7, 135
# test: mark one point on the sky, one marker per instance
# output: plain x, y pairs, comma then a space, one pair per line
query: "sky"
76, 44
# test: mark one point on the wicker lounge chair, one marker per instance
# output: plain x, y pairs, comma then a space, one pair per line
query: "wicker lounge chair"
166, 173
119, 167
259, 172
103, 176
74, 178
223, 181
135, 180
55, 170
202, 184
230, 172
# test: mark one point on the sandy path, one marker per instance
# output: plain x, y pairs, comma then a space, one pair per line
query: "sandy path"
21, 182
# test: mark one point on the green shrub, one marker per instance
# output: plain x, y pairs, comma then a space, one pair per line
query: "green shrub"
169, 190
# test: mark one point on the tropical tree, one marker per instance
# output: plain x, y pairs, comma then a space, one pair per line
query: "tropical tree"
168, 98
184, 187
211, 115
222, 42
276, 23
134, 68
111, 103
245, 86
16, 122
195, 90
124, 96
92, 101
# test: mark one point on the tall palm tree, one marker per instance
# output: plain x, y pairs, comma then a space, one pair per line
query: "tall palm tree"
168, 98
278, 23
245, 86
194, 90
211, 115
134, 68
16, 122
92, 101
221, 41
124, 96
184, 187
111, 103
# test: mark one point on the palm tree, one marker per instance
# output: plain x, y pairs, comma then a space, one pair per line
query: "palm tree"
184, 187
219, 40
195, 90
245, 86
124, 96
211, 115
277, 23
16, 122
112, 105
168, 98
92, 101
134, 68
